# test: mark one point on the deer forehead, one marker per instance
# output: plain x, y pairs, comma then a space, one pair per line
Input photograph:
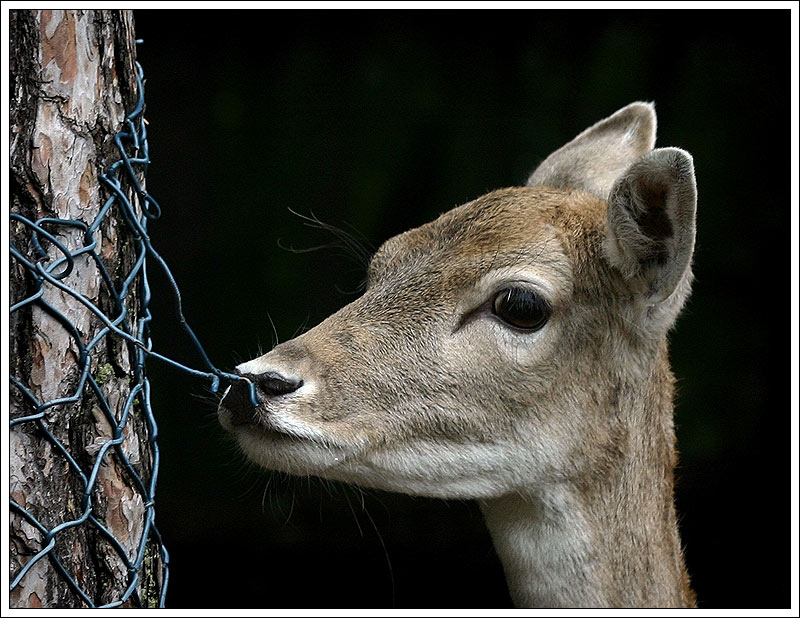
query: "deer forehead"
548, 236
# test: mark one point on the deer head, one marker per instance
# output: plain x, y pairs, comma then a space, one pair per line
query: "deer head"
515, 344
487, 344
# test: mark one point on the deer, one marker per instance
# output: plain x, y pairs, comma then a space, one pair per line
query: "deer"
514, 352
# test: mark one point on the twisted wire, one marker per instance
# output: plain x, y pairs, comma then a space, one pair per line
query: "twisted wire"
122, 180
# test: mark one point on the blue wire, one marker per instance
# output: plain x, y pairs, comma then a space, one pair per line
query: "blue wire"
45, 271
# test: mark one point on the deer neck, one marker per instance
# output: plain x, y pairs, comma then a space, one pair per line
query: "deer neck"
608, 541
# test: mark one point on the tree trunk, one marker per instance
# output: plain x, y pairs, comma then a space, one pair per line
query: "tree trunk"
73, 79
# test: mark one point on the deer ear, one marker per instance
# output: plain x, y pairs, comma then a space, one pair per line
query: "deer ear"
651, 223
597, 157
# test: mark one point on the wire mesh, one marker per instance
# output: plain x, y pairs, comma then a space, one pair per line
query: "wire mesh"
128, 324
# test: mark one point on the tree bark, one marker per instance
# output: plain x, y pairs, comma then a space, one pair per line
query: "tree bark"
73, 79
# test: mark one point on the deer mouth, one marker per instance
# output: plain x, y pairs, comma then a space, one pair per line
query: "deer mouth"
287, 449
238, 416
255, 421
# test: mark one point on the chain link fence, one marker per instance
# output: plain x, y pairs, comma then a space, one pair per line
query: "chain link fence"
128, 324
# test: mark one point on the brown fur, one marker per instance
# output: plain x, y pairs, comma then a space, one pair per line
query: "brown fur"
565, 434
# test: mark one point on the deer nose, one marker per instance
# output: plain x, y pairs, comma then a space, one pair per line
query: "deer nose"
271, 384
238, 401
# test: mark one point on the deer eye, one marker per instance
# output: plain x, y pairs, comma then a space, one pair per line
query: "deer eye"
521, 308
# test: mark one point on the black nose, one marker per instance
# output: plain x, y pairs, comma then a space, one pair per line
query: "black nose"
238, 400
272, 384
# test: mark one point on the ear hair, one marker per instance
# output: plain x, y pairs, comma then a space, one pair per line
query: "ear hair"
651, 223
595, 159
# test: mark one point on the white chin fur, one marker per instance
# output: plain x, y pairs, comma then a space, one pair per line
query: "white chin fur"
286, 453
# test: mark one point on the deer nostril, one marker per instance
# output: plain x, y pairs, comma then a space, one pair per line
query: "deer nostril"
238, 402
273, 384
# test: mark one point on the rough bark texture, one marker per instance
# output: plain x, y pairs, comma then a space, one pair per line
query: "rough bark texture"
73, 80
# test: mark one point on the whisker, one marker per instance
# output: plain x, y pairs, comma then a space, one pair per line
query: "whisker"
274, 332
352, 246
385, 551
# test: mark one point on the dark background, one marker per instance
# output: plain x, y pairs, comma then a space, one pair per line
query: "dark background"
379, 121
